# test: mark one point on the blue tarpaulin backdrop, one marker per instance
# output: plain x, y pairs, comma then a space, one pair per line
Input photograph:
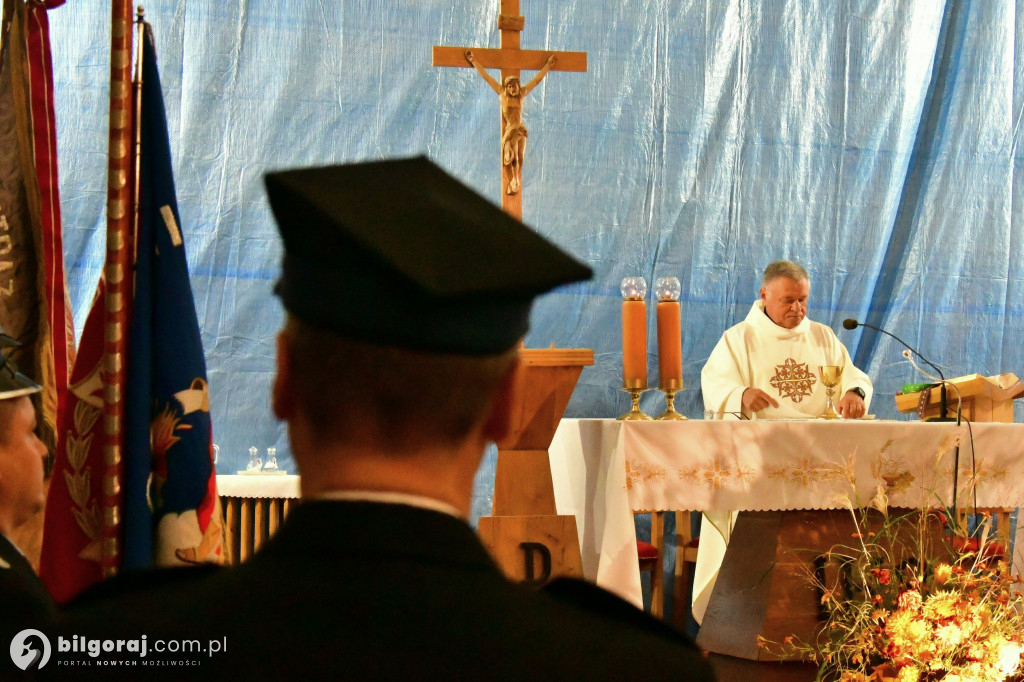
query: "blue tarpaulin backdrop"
874, 141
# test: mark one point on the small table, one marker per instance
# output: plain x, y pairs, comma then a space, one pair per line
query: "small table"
254, 506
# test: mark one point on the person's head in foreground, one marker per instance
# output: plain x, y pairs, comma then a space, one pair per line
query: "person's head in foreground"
22, 454
406, 296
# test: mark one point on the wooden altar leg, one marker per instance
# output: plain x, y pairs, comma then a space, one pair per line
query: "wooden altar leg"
686, 558
275, 516
259, 521
658, 579
245, 534
230, 505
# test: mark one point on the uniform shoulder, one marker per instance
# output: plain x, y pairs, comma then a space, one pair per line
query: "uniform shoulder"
660, 648
149, 581
596, 601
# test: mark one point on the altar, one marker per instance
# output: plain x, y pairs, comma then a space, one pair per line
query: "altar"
604, 471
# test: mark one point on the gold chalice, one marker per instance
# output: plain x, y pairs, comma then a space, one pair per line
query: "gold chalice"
830, 376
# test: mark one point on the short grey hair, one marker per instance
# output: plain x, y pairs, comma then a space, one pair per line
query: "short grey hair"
784, 268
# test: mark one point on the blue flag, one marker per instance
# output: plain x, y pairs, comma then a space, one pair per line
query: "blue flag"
171, 510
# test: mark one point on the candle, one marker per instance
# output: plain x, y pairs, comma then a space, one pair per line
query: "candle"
670, 344
634, 332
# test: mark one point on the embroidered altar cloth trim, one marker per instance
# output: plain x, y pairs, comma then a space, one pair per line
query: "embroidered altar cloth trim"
817, 464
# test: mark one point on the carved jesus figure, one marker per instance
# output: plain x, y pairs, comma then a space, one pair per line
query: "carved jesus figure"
510, 95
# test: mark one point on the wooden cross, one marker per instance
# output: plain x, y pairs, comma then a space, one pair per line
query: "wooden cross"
510, 59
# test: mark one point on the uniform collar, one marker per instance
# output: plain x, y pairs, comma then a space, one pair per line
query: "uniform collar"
390, 497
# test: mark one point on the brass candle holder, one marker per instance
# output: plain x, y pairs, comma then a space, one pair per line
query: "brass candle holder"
634, 343
670, 408
830, 376
634, 413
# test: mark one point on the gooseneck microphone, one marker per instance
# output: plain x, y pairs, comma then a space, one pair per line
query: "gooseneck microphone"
850, 323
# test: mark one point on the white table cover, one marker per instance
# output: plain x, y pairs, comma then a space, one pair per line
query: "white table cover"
604, 470
258, 485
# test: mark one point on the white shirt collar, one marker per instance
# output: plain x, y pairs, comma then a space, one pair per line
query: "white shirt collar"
759, 318
390, 497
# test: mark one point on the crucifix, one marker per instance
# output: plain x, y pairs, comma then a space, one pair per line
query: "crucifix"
510, 59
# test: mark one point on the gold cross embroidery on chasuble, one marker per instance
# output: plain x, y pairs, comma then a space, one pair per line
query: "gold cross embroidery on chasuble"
793, 380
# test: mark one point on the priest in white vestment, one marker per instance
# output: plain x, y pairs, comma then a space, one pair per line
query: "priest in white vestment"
766, 367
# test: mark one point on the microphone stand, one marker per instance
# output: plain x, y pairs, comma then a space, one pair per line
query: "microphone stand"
853, 324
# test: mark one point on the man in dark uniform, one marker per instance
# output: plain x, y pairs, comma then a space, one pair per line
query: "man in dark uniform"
24, 601
406, 295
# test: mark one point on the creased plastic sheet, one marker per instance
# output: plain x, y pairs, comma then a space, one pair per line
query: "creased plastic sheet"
876, 142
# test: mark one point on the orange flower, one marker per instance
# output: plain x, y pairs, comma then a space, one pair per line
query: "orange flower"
882, 575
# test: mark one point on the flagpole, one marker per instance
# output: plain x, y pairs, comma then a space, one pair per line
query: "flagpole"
140, 29
117, 272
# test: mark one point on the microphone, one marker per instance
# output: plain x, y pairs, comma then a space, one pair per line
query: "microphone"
850, 323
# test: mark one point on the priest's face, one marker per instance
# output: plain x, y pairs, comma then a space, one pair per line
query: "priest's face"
785, 300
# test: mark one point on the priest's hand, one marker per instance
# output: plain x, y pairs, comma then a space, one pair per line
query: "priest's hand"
755, 400
851, 406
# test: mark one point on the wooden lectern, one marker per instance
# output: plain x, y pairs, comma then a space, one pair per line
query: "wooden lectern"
525, 535
985, 399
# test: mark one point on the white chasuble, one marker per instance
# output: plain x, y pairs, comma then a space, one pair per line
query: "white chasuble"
757, 353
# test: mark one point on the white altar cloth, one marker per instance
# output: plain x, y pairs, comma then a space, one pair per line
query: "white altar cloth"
605, 470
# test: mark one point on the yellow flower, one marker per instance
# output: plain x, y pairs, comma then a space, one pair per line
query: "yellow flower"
949, 636
976, 651
917, 630
898, 621
1009, 657
942, 605
943, 572
909, 673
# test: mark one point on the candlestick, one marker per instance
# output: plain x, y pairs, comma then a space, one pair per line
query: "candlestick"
670, 407
634, 333
634, 409
670, 343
